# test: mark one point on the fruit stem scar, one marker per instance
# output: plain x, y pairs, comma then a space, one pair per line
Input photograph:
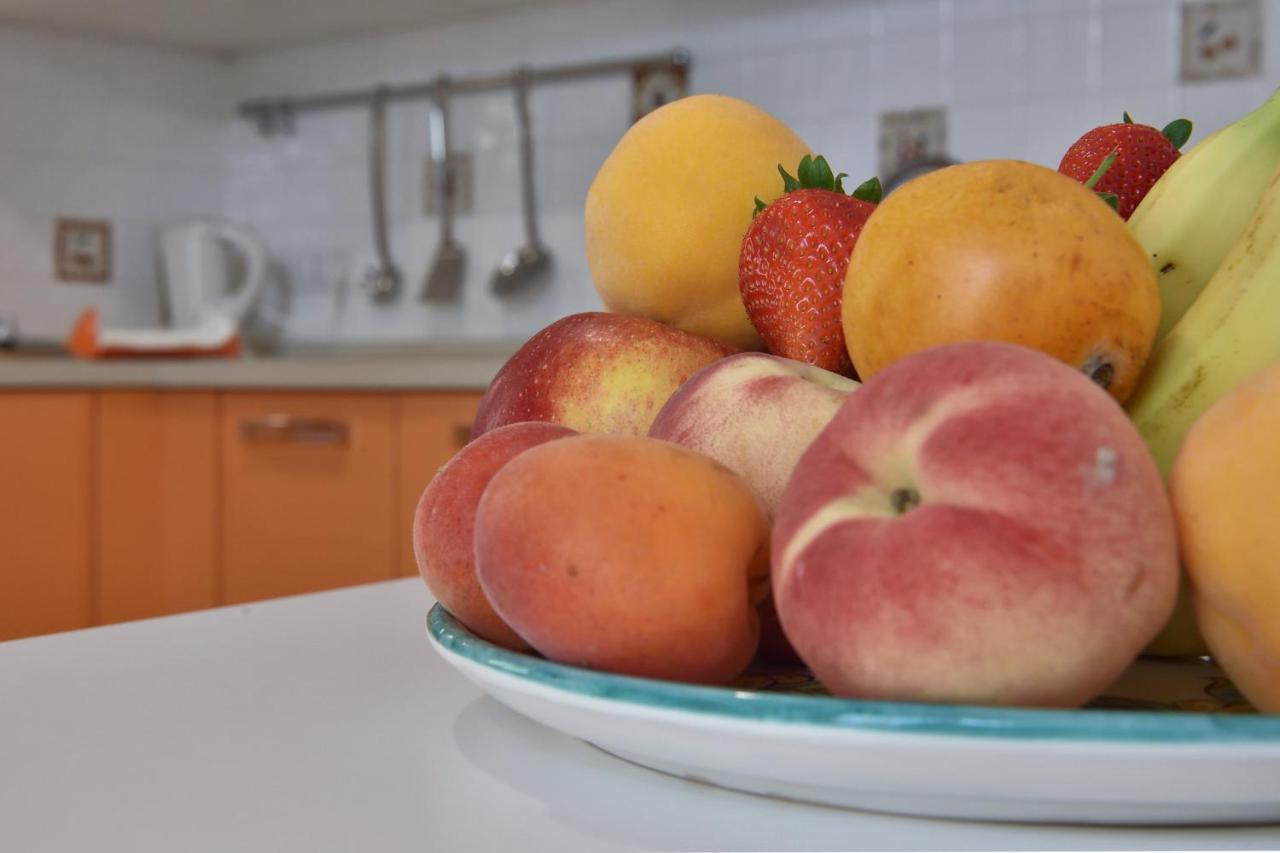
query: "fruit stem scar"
903, 500
1100, 369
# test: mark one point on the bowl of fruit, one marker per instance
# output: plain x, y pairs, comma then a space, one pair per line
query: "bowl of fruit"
956, 502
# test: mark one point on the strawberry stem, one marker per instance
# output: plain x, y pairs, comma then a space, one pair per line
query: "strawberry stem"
1177, 132
1128, 119
789, 184
814, 173
1102, 169
870, 190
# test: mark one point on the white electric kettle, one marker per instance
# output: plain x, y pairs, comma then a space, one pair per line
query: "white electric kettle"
196, 271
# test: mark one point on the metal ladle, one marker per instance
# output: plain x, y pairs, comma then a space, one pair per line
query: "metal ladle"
527, 265
444, 281
382, 282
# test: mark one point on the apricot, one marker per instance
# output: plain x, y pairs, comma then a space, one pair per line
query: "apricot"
1225, 499
667, 211
631, 555
1001, 250
444, 525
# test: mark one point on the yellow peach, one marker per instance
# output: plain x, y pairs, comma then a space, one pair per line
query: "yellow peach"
667, 211
1224, 496
1001, 250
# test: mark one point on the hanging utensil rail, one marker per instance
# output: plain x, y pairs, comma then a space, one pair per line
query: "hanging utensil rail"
274, 115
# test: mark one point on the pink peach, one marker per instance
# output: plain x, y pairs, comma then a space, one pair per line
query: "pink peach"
979, 523
755, 413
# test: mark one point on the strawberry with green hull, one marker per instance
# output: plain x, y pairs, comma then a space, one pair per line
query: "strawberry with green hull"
1142, 155
794, 257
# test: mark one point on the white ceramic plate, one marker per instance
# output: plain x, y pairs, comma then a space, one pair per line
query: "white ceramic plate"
1171, 743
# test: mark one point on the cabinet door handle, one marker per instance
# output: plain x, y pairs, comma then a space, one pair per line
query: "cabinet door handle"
288, 429
461, 435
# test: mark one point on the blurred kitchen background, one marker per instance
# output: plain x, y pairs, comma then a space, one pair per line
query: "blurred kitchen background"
126, 112
151, 171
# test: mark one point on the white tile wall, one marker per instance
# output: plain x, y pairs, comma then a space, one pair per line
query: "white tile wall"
1022, 78
100, 131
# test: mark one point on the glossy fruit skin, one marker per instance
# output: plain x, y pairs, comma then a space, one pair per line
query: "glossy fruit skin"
1144, 155
791, 274
1001, 250
595, 372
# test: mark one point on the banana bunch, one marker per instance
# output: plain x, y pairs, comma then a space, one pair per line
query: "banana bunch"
1228, 328
1231, 330
1192, 216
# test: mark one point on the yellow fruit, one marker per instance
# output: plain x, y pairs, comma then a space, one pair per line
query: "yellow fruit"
667, 211
1001, 250
1227, 502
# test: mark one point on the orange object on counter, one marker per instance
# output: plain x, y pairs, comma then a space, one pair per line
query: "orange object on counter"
217, 338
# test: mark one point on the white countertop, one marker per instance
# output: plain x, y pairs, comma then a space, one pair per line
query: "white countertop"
326, 723
462, 365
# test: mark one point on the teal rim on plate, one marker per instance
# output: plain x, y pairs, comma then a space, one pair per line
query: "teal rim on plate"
1142, 727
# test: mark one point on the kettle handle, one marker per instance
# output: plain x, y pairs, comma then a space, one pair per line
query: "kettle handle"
255, 273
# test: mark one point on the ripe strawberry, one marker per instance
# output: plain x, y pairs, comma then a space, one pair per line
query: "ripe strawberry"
793, 260
1142, 155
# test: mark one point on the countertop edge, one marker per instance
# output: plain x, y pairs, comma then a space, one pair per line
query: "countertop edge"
437, 371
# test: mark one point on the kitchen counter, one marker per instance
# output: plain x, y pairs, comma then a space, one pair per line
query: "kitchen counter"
327, 723
469, 365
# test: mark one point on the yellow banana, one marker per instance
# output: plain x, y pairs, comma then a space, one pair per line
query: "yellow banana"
1195, 212
1231, 330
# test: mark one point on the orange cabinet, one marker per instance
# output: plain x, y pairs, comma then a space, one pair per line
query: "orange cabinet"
308, 497
118, 505
46, 512
433, 427
156, 496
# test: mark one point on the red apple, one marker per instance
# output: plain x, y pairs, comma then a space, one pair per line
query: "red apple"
595, 372
978, 524
444, 525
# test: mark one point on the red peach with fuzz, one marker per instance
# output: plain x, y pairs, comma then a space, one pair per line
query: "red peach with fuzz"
978, 524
